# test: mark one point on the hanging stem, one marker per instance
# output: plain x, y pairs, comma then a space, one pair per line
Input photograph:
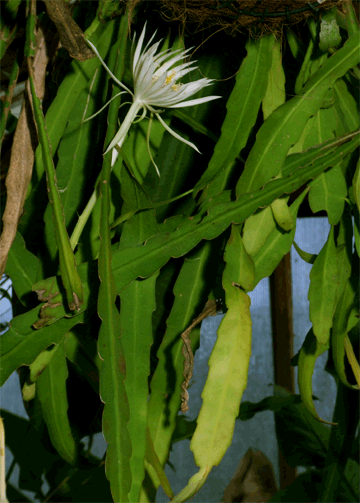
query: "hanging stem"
119, 137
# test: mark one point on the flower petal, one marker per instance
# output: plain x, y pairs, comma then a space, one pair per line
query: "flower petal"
177, 136
164, 54
165, 66
138, 48
107, 68
191, 103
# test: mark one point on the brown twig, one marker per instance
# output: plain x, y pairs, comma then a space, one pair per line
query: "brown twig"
210, 309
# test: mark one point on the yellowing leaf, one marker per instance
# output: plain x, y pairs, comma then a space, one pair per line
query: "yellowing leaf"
229, 363
282, 214
257, 228
246, 277
226, 382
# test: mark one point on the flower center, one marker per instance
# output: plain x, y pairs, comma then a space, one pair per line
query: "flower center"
169, 78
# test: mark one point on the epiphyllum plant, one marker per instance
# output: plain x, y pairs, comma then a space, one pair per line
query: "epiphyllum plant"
156, 85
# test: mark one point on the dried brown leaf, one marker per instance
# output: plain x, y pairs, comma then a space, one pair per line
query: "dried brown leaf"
210, 309
22, 155
71, 35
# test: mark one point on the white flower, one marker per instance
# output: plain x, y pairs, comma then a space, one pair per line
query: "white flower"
156, 85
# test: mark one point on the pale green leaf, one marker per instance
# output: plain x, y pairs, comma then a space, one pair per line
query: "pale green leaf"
247, 267
257, 228
329, 35
282, 214
226, 382
322, 290
228, 369
275, 92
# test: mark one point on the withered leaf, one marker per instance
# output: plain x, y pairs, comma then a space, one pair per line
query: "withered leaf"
71, 35
22, 156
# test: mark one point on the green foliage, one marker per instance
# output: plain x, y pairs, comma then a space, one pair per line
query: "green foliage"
123, 262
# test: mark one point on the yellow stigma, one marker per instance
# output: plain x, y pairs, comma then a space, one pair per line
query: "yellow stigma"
175, 87
169, 78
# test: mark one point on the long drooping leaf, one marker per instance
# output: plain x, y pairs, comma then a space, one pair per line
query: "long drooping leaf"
57, 116
284, 127
242, 107
228, 367
322, 290
76, 158
69, 274
258, 226
113, 368
137, 306
133, 262
51, 392
190, 291
329, 190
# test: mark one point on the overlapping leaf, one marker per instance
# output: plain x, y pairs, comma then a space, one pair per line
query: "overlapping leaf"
285, 125
190, 291
228, 368
242, 107
51, 393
